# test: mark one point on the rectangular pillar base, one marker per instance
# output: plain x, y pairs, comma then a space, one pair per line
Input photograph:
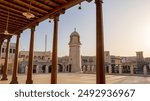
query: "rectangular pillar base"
29, 82
4, 78
14, 82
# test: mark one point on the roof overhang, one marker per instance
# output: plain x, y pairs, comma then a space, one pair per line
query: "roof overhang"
42, 9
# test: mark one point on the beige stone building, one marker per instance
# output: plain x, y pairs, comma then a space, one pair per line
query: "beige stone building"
107, 57
11, 56
74, 62
38, 55
42, 61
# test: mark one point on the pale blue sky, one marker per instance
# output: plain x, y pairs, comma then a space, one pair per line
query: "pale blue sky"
126, 28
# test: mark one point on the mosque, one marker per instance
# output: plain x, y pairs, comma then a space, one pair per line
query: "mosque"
74, 63
42, 60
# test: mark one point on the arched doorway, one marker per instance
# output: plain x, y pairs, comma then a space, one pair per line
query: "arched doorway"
107, 69
34, 69
82, 68
126, 69
69, 69
49, 69
60, 68
44, 68
1, 70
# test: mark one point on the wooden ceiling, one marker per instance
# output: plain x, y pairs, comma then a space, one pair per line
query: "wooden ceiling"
42, 9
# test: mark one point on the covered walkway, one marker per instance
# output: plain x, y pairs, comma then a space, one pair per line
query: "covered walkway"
19, 15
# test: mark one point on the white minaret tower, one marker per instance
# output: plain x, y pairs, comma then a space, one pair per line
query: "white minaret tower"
74, 52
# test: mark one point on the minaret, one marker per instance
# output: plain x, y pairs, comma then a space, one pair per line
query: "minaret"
74, 52
45, 42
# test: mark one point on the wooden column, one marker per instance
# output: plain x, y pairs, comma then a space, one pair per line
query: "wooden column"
1, 42
100, 71
5, 69
54, 52
15, 69
0, 50
30, 62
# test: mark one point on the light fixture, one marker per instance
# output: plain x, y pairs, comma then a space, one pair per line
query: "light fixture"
88, 0
49, 20
28, 14
6, 31
79, 6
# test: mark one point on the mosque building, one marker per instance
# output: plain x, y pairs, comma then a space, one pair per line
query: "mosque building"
74, 63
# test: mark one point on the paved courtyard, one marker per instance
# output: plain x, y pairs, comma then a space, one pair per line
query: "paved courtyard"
77, 78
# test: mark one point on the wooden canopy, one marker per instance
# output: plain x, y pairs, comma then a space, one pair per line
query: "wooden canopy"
42, 9
14, 22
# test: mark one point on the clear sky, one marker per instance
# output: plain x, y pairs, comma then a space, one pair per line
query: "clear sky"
126, 29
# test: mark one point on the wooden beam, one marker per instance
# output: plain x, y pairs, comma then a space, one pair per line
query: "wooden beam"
65, 6
14, 15
11, 22
4, 17
3, 26
18, 11
44, 6
25, 4
55, 2
10, 29
24, 9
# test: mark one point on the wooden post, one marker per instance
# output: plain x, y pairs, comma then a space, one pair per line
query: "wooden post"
1, 42
5, 69
15, 69
54, 52
100, 71
30, 62
0, 50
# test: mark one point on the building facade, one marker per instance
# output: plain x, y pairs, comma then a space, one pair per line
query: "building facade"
11, 56
74, 62
41, 63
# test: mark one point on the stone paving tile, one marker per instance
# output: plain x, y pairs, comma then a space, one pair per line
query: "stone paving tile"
77, 78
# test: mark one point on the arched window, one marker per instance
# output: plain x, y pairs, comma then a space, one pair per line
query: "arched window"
10, 51
35, 57
3, 50
43, 57
14, 50
39, 57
